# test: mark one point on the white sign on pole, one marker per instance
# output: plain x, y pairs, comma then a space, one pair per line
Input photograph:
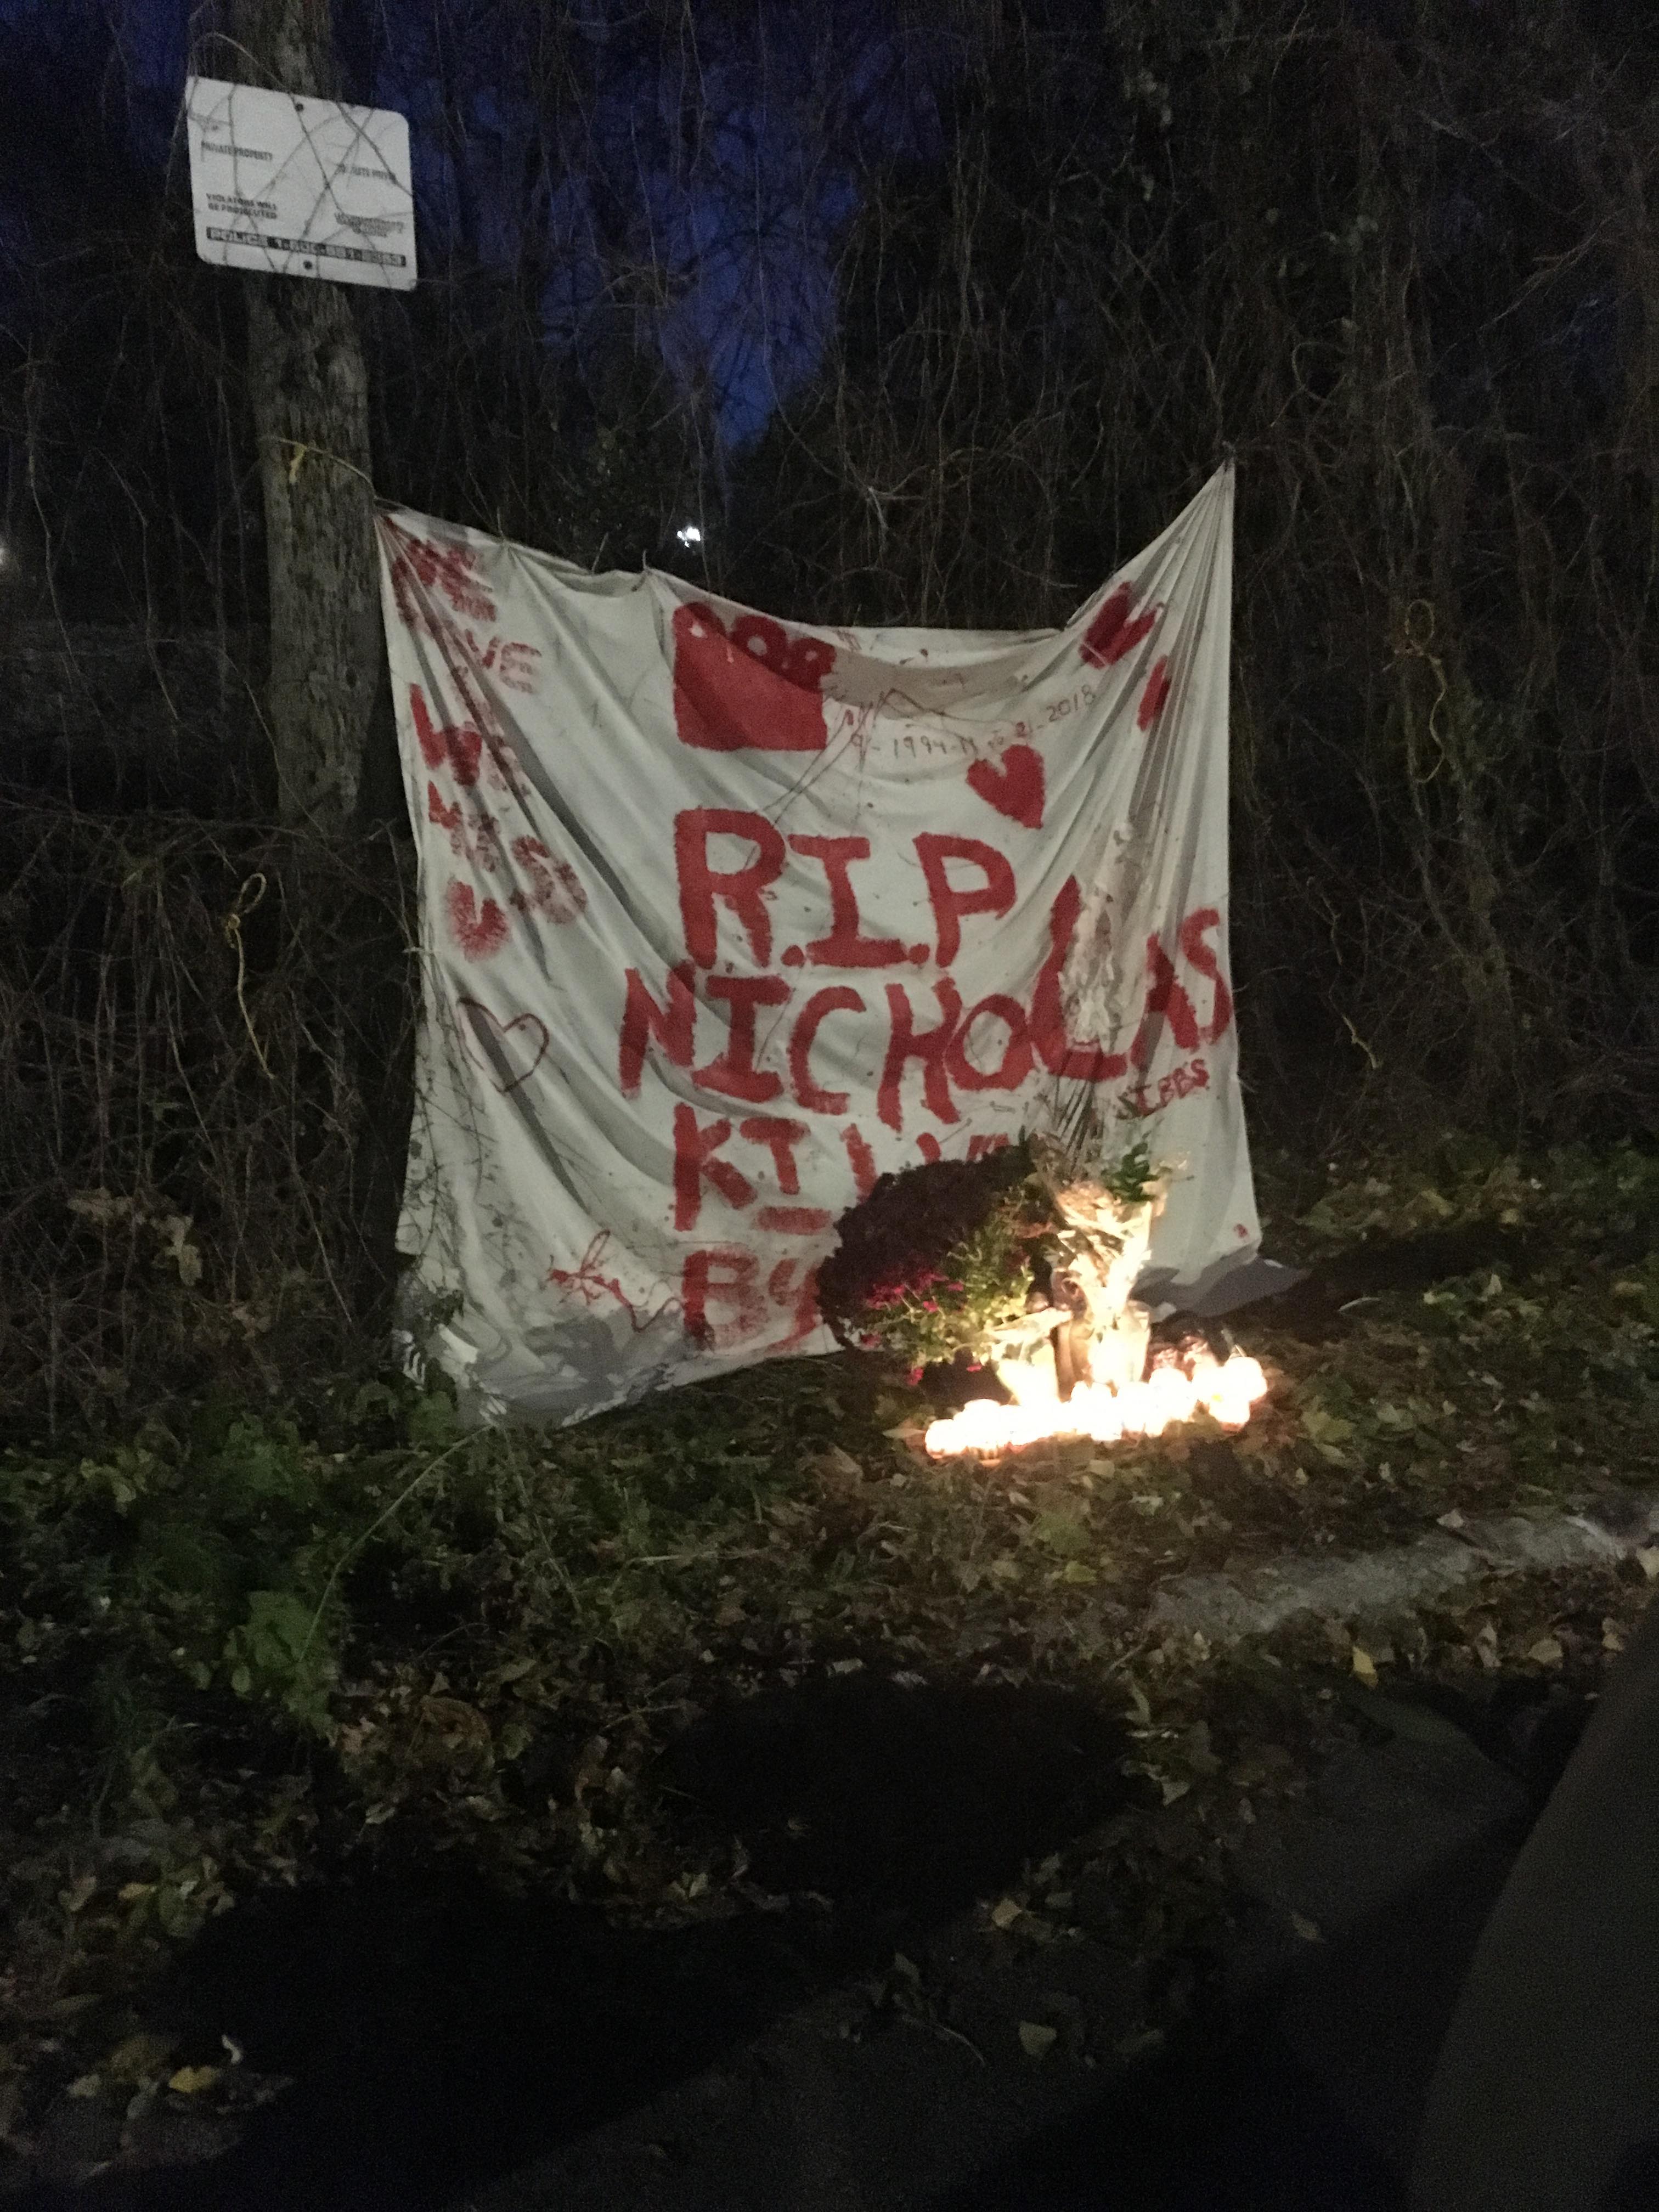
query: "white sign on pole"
300, 187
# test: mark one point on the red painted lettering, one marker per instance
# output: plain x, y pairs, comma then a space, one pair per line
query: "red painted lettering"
844, 947
643, 1018
743, 890
555, 891
479, 930
446, 818
723, 1277
459, 744
420, 562
931, 1046
1206, 960
734, 1074
1166, 1000
516, 669
795, 1220
840, 999
801, 1299
995, 896
781, 1138
860, 1159
1018, 1056
694, 1163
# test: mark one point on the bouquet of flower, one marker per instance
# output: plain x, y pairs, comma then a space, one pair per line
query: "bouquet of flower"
937, 1260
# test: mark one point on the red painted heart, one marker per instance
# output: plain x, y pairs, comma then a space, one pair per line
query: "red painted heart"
1013, 786
507, 1059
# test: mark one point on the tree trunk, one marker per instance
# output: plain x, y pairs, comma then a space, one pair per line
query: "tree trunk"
329, 702
310, 398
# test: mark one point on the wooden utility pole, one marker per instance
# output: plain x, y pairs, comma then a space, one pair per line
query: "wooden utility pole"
310, 398
309, 389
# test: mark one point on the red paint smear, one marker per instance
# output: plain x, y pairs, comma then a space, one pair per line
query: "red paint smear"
1102, 632
1111, 635
1157, 691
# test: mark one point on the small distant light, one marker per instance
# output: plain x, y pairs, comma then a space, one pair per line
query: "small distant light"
689, 533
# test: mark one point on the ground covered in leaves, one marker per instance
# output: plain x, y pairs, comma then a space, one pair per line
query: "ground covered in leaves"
253, 1649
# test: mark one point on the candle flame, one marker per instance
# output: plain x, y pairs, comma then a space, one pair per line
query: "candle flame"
1224, 1389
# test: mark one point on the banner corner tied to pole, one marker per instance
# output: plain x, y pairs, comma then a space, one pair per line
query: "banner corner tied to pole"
725, 916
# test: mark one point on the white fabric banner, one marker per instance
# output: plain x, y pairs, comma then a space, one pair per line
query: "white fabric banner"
725, 916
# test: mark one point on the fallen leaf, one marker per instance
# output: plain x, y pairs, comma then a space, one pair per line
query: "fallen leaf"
1035, 2040
454, 1721
1004, 1914
1364, 1666
139, 2057
1648, 1559
1613, 1637
1061, 1532
191, 2080
1452, 1520
1309, 1930
1546, 1652
834, 1468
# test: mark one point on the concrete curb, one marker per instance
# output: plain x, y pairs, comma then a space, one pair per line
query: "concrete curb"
1254, 1601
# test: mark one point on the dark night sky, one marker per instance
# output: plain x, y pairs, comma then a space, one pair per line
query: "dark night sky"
713, 242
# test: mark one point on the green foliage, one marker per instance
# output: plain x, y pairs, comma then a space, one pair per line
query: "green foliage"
216, 1549
1130, 1176
982, 1285
280, 1653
